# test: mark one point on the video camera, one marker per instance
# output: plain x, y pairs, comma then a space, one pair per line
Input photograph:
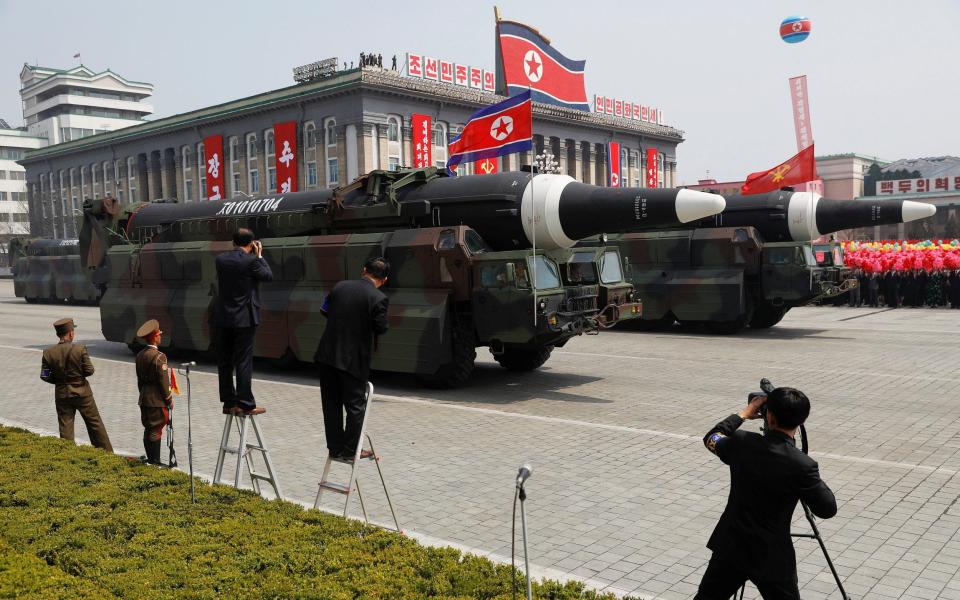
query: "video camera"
766, 388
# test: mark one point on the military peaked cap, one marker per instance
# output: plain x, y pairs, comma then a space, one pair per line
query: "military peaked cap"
64, 326
148, 328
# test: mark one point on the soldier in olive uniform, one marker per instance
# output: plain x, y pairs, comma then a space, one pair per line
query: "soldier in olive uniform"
67, 366
156, 397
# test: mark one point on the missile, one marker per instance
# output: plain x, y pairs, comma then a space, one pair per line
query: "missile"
556, 211
785, 216
509, 210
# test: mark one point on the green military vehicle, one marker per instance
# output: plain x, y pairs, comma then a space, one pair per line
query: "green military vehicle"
50, 271
450, 289
725, 278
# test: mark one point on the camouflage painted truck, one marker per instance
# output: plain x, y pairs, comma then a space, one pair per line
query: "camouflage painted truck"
468, 266
50, 271
750, 264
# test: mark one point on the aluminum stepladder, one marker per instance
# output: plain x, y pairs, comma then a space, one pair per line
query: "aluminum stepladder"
326, 484
243, 450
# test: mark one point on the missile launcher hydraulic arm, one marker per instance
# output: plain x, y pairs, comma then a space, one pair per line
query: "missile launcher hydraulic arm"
476, 261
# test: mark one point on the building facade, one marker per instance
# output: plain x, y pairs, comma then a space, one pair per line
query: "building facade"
14, 215
64, 105
842, 174
347, 124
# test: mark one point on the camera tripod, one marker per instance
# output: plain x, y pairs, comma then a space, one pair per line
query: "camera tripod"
767, 387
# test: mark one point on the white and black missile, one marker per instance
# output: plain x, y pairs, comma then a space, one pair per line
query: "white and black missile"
509, 210
785, 216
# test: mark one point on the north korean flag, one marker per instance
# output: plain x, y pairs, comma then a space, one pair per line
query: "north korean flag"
527, 60
497, 130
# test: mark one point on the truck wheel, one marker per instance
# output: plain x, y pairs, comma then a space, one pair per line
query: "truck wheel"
523, 359
135, 347
767, 315
457, 371
31, 300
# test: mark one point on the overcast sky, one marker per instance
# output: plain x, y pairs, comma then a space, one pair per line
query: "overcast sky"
882, 74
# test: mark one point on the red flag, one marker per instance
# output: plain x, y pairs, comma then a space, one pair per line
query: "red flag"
613, 164
653, 168
486, 166
799, 168
285, 148
421, 127
174, 387
213, 159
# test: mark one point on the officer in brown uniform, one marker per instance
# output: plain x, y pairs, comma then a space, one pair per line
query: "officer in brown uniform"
156, 397
67, 366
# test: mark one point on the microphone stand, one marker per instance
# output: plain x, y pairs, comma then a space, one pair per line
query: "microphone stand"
523, 527
813, 525
186, 371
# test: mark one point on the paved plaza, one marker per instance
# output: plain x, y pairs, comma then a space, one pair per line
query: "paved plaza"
623, 495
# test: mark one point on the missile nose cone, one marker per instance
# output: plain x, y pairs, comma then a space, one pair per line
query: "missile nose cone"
692, 205
917, 210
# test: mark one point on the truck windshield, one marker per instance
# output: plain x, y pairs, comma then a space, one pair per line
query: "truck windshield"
546, 274
580, 269
610, 267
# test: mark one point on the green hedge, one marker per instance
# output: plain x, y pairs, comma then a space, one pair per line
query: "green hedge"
76, 522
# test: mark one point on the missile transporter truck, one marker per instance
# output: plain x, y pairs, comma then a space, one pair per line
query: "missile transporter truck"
475, 261
50, 271
751, 263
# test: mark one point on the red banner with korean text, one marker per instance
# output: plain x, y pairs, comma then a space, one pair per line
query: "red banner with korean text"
213, 160
485, 166
420, 127
653, 166
285, 149
613, 164
801, 111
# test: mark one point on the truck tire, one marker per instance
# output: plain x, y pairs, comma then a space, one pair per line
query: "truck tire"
523, 359
456, 372
766, 315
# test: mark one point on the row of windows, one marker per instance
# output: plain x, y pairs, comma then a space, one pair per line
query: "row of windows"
13, 196
13, 175
75, 133
14, 218
67, 109
79, 91
12, 153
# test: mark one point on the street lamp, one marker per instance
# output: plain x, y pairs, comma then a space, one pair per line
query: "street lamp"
545, 163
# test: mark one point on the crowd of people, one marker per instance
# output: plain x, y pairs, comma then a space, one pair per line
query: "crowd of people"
908, 273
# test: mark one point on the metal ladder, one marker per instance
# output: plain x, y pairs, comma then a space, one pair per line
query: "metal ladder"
326, 484
243, 451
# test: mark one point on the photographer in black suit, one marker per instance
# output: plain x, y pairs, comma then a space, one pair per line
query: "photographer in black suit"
768, 476
356, 312
236, 315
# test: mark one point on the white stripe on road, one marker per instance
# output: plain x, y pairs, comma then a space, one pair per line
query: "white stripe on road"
844, 372
558, 420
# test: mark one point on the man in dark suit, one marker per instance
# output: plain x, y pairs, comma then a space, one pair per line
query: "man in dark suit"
236, 315
768, 475
356, 312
